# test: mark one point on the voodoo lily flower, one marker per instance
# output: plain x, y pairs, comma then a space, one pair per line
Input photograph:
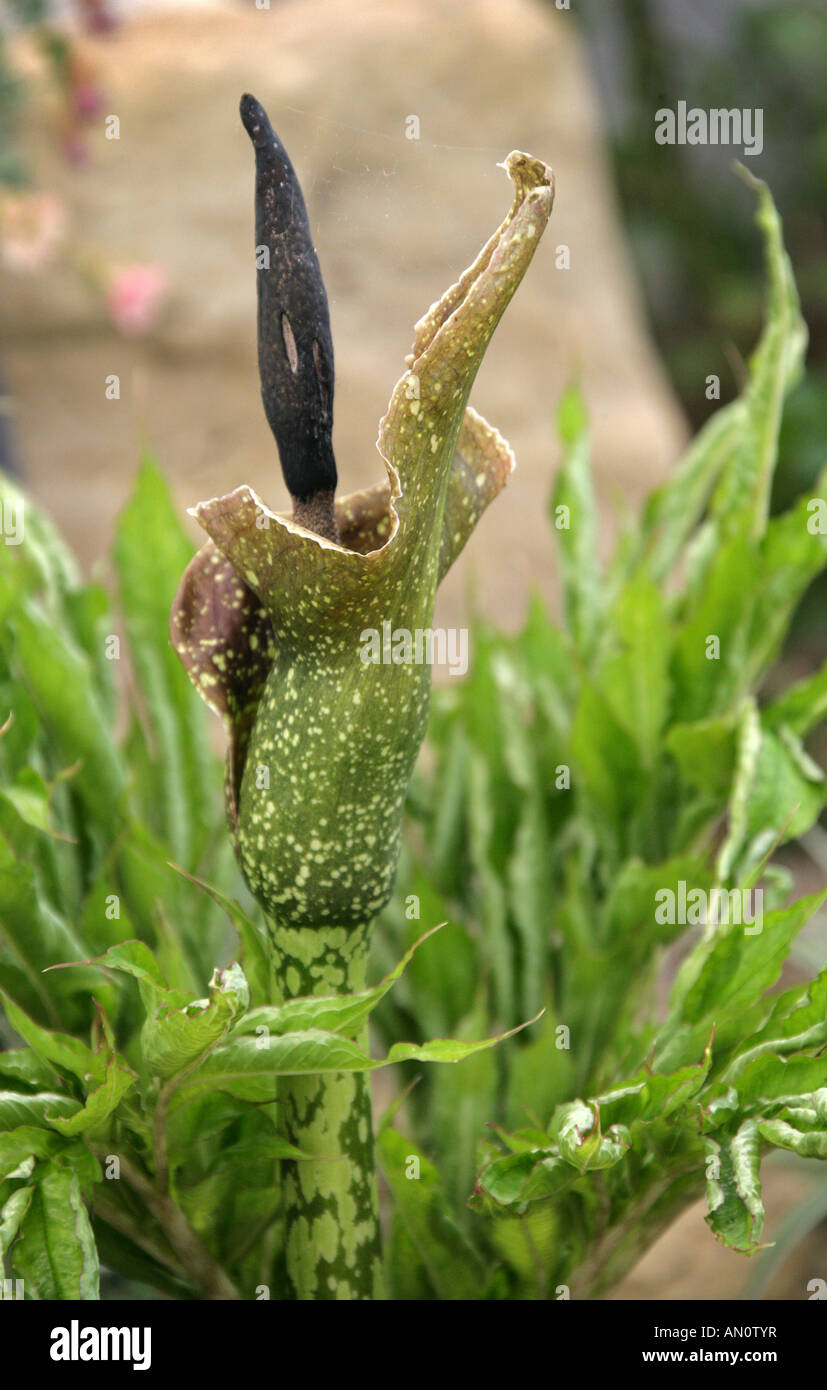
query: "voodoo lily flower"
272, 614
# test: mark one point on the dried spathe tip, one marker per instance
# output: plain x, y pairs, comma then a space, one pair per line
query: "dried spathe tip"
295, 350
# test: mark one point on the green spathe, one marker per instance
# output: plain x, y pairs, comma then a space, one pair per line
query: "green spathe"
269, 615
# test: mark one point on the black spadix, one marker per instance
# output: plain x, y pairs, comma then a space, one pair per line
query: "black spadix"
295, 349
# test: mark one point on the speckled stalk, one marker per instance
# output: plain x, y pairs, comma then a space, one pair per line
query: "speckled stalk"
332, 1234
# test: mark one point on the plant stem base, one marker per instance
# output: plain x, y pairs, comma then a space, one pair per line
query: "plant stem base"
332, 1235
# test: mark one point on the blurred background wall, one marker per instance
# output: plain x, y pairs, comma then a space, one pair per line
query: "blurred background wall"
396, 220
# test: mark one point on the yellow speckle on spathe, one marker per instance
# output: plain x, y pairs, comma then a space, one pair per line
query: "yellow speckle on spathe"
326, 1236
434, 443
414, 407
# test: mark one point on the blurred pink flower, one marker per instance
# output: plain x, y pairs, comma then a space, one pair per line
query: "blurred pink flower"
88, 100
75, 149
134, 296
98, 19
32, 225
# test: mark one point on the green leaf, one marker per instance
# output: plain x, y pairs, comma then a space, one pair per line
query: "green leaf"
707, 680
91, 621
11, 1215
133, 958
774, 369
574, 516
489, 890
607, 771
405, 1274
25, 1069
519, 1179
251, 1063
20, 727
177, 1029
752, 624
787, 793
635, 680
463, 1099
674, 509
104, 918
165, 909
539, 1075
453, 1266
44, 563
705, 753
57, 1048
173, 1037
17, 1109
504, 1180
736, 1212
734, 969
60, 681
810, 1144
791, 555
768, 1078
530, 887
448, 831
344, 1013
577, 1130
748, 753
653, 1096
255, 950
788, 1029
100, 1102
630, 907
440, 983
26, 1142
800, 707
444, 1049
151, 550
55, 1250
29, 795
548, 661
36, 936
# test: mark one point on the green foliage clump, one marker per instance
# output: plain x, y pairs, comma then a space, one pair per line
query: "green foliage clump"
579, 777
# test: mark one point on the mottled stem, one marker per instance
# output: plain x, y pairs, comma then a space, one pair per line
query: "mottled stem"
331, 1207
